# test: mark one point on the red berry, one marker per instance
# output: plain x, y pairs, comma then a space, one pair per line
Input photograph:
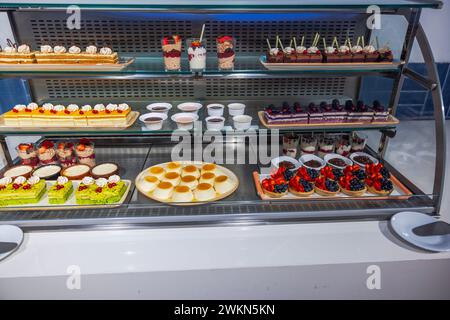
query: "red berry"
81, 188
98, 190
26, 187
16, 186
119, 111
41, 111
27, 110
107, 111
66, 111
112, 185
94, 111
59, 187
81, 112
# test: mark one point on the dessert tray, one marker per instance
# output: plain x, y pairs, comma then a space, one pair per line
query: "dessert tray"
70, 204
327, 65
108, 67
133, 116
391, 121
220, 170
400, 192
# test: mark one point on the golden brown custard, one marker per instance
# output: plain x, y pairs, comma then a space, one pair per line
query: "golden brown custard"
173, 165
190, 168
182, 189
165, 185
151, 179
204, 186
188, 178
221, 178
209, 167
208, 175
156, 170
171, 175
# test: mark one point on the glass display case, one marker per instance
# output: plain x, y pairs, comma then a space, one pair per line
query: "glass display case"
134, 31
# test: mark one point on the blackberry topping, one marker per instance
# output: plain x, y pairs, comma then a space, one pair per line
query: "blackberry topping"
376, 104
288, 175
337, 173
314, 174
356, 184
385, 172
360, 174
306, 185
386, 184
323, 104
331, 185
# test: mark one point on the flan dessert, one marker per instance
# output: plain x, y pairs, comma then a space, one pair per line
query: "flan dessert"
172, 177
76, 172
189, 181
157, 171
190, 170
207, 177
223, 184
182, 194
60, 191
204, 192
163, 190
21, 190
105, 170
149, 183
210, 167
174, 167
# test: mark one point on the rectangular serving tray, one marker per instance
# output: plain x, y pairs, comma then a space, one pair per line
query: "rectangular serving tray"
324, 66
401, 192
70, 204
392, 121
43, 67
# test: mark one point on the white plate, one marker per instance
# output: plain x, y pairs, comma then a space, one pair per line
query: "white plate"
11, 235
404, 222
362, 165
277, 160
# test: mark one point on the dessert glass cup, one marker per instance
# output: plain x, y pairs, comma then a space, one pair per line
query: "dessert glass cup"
172, 55
48, 156
242, 122
326, 146
87, 155
66, 155
185, 120
225, 53
236, 109
28, 156
308, 145
343, 146
290, 144
196, 54
358, 142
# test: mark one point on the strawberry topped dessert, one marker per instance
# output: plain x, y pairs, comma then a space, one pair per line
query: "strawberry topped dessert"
225, 52
308, 174
331, 173
326, 187
171, 47
27, 154
378, 179
276, 185
300, 187
352, 182
356, 171
46, 152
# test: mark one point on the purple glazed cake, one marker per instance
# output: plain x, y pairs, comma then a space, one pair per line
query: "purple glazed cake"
359, 113
315, 114
381, 114
286, 115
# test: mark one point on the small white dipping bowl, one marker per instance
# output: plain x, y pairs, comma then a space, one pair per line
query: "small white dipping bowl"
160, 107
215, 125
276, 161
185, 120
190, 107
242, 122
236, 109
330, 156
153, 124
215, 109
308, 157
363, 154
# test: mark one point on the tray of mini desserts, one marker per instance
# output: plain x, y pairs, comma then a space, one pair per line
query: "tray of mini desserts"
186, 182
327, 113
61, 176
345, 56
219, 117
330, 167
16, 57
48, 115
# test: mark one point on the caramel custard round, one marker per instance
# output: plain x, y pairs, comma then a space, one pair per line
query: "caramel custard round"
158, 172
189, 181
207, 177
173, 167
172, 177
190, 170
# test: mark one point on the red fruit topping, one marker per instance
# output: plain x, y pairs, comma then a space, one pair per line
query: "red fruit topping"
94, 111
47, 144
53, 111
41, 111
99, 189
81, 188
16, 186
59, 187
27, 110
165, 40
224, 38
119, 111
66, 111
81, 112
196, 44
107, 111
2, 187
24, 146
112, 185
177, 38
26, 187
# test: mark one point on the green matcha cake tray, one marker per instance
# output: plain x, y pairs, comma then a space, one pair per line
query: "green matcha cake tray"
62, 194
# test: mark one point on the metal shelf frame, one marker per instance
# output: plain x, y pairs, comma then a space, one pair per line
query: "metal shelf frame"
253, 211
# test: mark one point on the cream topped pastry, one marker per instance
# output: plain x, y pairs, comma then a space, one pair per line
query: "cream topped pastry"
101, 182
87, 181
5, 181
91, 49
163, 190
74, 50
19, 107
273, 51
123, 107
182, 194
149, 183
105, 51
344, 49
46, 48
330, 50
356, 49
111, 107
33, 180
204, 192
86, 108
312, 49
24, 49
157, 171
47, 106
99, 107
369, 49
59, 49
288, 50
114, 178
300, 49
10, 49
20, 180
190, 181
72, 107
59, 108
62, 180
32, 106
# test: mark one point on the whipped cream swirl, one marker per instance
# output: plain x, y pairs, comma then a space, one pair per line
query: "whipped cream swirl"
24, 49
87, 181
105, 51
33, 180
20, 180
114, 178
47, 106
46, 49
5, 181
62, 180
74, 49
111, 107
86, 108
20, 107
101, 182
59, 108
91, 49
72, 107
32, 106
99, 107
59, 49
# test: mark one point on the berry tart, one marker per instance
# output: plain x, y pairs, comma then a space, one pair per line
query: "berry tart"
300, 187
276, 185
351, 184
356, 171
378, 180
308, 174
331, 173
326, 187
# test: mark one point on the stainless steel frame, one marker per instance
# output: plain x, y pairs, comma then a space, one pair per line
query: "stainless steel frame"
251, 211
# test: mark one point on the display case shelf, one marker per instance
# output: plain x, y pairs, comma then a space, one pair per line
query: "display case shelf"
245, 66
